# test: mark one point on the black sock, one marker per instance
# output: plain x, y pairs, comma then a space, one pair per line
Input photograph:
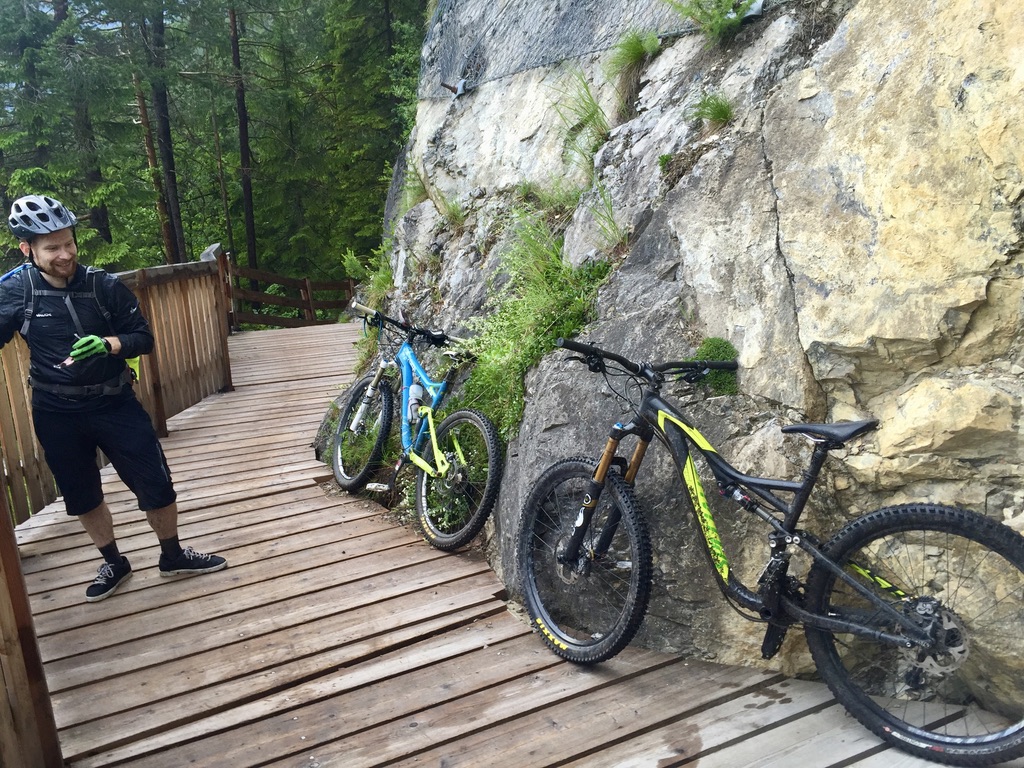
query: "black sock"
171, 548
111, 554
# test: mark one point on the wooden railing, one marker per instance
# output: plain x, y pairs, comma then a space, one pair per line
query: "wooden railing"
303, 299
28, 732
186, 307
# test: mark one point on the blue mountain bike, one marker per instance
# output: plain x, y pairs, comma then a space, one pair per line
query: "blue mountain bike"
458, 462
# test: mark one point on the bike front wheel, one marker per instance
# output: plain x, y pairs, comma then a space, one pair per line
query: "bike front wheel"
958, 575
359, 446
589, 608
453, 506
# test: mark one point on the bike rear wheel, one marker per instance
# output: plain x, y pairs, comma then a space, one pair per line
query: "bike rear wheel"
357, 453
453, 507
960, 701
588, 610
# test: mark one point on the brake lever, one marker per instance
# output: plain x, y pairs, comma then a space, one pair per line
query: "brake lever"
694, 376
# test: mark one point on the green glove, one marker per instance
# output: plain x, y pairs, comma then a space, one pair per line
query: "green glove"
89, 346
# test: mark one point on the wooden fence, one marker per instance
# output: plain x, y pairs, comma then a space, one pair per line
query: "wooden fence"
186, 306
303, 299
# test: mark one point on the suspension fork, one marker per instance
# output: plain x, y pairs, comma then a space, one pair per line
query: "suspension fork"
369, 395
595, 487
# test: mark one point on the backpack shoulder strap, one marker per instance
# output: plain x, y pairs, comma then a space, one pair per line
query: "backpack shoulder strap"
30, 301
91, 275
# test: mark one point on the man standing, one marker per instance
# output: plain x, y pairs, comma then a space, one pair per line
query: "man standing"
81, 325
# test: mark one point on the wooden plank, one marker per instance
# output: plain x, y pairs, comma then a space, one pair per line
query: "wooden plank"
231, 646
797, 742
401, 648
478, 699
242, 585
685, 735
613, 711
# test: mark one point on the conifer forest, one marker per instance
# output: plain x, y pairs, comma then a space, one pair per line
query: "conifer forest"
269, 126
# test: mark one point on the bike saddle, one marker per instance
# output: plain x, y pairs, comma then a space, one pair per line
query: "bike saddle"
833, 433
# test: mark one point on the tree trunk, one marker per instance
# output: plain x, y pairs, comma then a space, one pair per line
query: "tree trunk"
243, 145
165, 144
99, 216
220, 166
154, 172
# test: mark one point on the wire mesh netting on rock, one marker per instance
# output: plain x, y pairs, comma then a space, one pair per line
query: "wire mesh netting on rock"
471, 42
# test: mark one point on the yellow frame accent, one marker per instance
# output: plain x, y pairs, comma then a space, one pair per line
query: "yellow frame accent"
697, 497
439, 459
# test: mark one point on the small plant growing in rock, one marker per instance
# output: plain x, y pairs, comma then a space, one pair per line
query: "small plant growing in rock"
414, 191
557, 199
629, 58
718, 19
719, 382
585, 124
614, 236
543, 299
452, 212
713, 108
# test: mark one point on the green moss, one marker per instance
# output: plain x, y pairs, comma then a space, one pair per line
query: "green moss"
719, 382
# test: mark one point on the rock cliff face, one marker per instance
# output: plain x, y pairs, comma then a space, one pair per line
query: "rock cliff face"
855, 231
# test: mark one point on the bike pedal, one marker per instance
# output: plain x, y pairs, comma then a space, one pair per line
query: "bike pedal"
378, 487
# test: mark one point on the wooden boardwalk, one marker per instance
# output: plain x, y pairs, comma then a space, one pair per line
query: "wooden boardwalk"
338, 638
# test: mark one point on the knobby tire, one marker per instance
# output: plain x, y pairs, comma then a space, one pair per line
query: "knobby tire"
452, 509
357, 455
589, 610
960, 702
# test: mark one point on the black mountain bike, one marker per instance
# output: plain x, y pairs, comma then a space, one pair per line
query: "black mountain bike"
458, 462
914, 614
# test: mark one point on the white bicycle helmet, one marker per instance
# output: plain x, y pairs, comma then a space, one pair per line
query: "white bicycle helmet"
33, 215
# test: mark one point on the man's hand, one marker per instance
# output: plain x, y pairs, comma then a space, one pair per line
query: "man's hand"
89, 346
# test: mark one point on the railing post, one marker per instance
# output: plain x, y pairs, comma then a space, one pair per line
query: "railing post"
307, 297
28, 731
153, 362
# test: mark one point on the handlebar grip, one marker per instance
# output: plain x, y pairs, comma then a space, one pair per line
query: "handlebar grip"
718, 365
576, 346
362, 309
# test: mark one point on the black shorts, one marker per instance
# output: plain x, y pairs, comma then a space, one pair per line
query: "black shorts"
125, 434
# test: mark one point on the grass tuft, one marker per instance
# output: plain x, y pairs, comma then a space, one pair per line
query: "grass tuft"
713, 108
585, 124
629, 58
543, 299
718, 20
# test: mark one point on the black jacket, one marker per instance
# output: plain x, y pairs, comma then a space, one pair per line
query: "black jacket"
52, 333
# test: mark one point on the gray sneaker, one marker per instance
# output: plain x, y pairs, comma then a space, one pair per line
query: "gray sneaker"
190, 562
108, 579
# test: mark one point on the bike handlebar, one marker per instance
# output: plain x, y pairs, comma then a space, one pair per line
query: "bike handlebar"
591, 352
437, 338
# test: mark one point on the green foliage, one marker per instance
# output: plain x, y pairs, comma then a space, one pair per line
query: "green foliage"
585, 125
543, 299
614, 236
715, 348
414, 191
330, 90
453, 213
381, 278
556, 202
354, 266
630, 56
718, 19
714, 108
